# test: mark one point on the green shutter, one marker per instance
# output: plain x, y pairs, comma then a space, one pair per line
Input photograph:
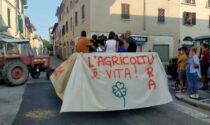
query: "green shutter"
163, 52
1, 23
8, 17
18, 4
20, 24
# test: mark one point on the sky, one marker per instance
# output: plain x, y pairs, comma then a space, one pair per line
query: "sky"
42, 15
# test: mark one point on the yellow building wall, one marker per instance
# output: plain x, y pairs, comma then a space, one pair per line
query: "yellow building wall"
14, 13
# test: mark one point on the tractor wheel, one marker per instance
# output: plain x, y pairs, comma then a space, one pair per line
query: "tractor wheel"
49, 72
15, 73
35, 74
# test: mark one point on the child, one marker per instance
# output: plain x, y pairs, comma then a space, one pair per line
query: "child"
121, 48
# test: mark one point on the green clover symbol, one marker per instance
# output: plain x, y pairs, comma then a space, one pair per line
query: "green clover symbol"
120, 91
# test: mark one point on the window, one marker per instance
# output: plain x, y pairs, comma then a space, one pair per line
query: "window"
71, 23
8, 17
190, 2
67, 10
76, 20
209, 21
189, 18
161, 15
71, 4
125, 11
83, 11
67, 26
63, 30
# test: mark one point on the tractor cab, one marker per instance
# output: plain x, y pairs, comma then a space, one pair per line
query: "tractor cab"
13, 47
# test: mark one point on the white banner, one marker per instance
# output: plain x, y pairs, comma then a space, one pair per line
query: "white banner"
111, 81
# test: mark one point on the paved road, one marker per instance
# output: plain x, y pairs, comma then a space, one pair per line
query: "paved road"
48, 105
10, 100
37, 104
11, 97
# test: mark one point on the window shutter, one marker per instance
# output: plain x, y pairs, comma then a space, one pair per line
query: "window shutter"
209, 21
184, 17
128, 11
123, 10
71, 22
76, 18
83, 11
63, 30
1, 23
20, 24
18, 4
67, 26
8, 17
208, 3
193, 18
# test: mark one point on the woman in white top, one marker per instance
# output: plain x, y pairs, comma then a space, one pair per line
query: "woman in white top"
194, 71
111, 44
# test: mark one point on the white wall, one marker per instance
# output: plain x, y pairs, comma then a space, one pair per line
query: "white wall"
202, 20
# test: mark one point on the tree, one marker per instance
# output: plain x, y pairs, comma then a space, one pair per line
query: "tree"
47, 45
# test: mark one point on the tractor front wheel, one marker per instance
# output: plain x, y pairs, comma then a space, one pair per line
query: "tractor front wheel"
35, 74
15, 73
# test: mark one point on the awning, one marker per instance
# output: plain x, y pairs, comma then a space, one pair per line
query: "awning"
5, 35
202, 37
14, 40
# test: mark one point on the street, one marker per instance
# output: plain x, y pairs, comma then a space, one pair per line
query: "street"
37, 104
118, 62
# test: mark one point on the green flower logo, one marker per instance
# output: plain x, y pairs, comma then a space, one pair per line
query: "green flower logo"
120, 91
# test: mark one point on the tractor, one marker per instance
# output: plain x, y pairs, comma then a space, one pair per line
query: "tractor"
17, 61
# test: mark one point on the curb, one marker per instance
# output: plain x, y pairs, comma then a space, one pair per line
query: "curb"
192, 102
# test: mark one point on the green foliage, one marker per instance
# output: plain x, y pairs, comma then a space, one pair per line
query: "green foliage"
47, 45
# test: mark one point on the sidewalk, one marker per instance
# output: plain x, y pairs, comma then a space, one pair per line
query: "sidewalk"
202, 102
55, 62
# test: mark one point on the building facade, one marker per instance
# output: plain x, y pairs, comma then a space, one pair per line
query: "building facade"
195, 18
14, 23
163, 22
12, 17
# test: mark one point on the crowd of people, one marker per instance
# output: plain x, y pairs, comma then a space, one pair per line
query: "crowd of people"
191, 67
114, 43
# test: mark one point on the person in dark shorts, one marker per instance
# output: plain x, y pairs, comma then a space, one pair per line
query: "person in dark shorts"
204, 61
181, 69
